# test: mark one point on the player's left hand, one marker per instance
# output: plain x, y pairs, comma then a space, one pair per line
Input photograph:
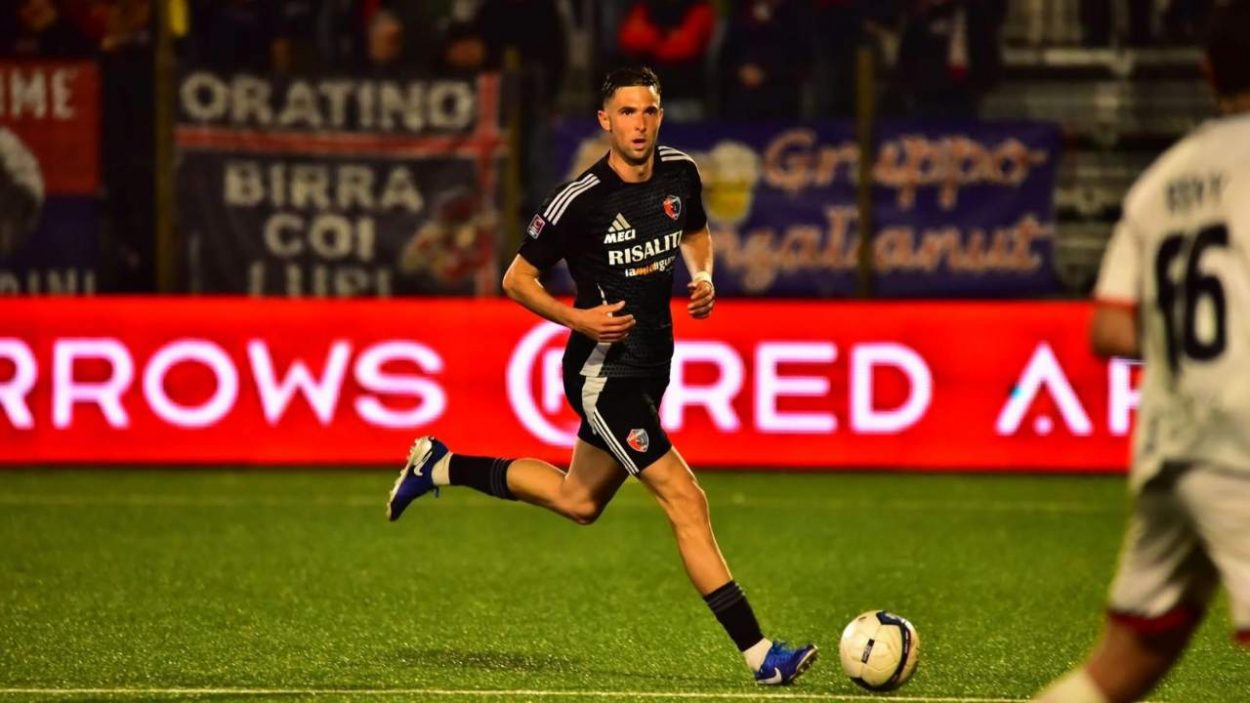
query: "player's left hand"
702, 298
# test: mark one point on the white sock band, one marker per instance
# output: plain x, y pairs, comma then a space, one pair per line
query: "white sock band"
756, 653
1074, 687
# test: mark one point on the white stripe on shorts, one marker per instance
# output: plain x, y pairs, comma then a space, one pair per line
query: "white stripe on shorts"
590, 397
617, 450
594, 362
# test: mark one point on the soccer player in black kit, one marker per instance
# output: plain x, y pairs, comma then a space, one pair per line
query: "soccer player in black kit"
620, 227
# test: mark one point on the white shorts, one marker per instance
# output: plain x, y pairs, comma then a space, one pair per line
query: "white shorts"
1189, 531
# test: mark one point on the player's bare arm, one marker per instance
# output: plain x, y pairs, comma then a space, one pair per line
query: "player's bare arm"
696, 249
1113, 331
599, 323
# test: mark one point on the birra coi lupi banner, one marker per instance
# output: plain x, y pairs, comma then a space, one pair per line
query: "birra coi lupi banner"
339, 186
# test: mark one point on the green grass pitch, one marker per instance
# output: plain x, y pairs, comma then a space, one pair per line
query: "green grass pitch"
290, 585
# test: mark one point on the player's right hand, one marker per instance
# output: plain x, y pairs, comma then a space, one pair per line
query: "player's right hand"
602, 324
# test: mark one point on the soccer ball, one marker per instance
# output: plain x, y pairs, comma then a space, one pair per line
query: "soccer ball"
879, 650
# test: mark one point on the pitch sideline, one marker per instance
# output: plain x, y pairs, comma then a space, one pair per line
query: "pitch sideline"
488, 693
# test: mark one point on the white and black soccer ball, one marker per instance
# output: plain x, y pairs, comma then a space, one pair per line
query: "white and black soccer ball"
879, 650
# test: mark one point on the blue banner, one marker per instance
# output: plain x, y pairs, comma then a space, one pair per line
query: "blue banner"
961, 209
61, 253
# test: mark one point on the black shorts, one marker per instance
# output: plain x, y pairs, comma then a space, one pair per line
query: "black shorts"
620, 416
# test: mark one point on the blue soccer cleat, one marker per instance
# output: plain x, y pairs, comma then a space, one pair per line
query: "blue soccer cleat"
417, 477
783, 664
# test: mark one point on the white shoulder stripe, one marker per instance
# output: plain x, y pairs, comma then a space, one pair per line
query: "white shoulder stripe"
674, 157
555, 202
667, 152
572, 195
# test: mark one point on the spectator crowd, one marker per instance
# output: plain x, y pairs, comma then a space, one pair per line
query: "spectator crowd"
732, 60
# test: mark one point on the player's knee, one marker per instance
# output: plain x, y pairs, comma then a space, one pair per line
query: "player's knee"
582, 511
587, 514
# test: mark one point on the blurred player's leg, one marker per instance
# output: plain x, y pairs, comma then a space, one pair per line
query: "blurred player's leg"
1164, 581
1074, 687
1219, 501
1127, 663
675, 487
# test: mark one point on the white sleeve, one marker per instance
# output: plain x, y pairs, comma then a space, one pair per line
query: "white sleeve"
1120, 279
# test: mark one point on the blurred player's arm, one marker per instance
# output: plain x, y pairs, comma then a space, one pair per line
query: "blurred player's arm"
522, 284
696, 249
1113, 331
1114, 328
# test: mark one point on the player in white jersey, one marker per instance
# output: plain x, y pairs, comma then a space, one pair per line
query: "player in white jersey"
1175, 289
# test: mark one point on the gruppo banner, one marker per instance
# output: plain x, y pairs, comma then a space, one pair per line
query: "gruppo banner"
759, 384
344, 186
962, 209
49, 176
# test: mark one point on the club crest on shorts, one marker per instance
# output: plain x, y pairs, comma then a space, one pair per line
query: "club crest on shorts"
536, 226
638, 440
672, 207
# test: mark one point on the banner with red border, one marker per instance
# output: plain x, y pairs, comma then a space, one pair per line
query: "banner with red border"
50, 162
773, 385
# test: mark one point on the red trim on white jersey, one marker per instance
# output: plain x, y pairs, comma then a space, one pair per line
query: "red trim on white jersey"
1121, 303
1181, 617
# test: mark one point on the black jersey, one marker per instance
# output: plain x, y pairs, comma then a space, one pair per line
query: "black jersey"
621, 241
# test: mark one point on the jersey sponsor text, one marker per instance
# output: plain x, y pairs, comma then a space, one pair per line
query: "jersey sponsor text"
646, 250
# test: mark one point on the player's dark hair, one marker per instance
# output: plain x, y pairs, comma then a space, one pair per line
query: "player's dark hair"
627, 78
1228, 47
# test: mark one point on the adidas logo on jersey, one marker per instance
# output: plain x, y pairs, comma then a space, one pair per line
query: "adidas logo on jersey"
620, 231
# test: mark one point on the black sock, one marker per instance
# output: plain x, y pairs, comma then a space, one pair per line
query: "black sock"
481, 473
729, 605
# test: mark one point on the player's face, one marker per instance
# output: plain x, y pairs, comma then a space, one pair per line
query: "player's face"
632, 117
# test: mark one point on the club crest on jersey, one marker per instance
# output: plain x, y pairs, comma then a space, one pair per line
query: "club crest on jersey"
672, 207
536, 226
638, 440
